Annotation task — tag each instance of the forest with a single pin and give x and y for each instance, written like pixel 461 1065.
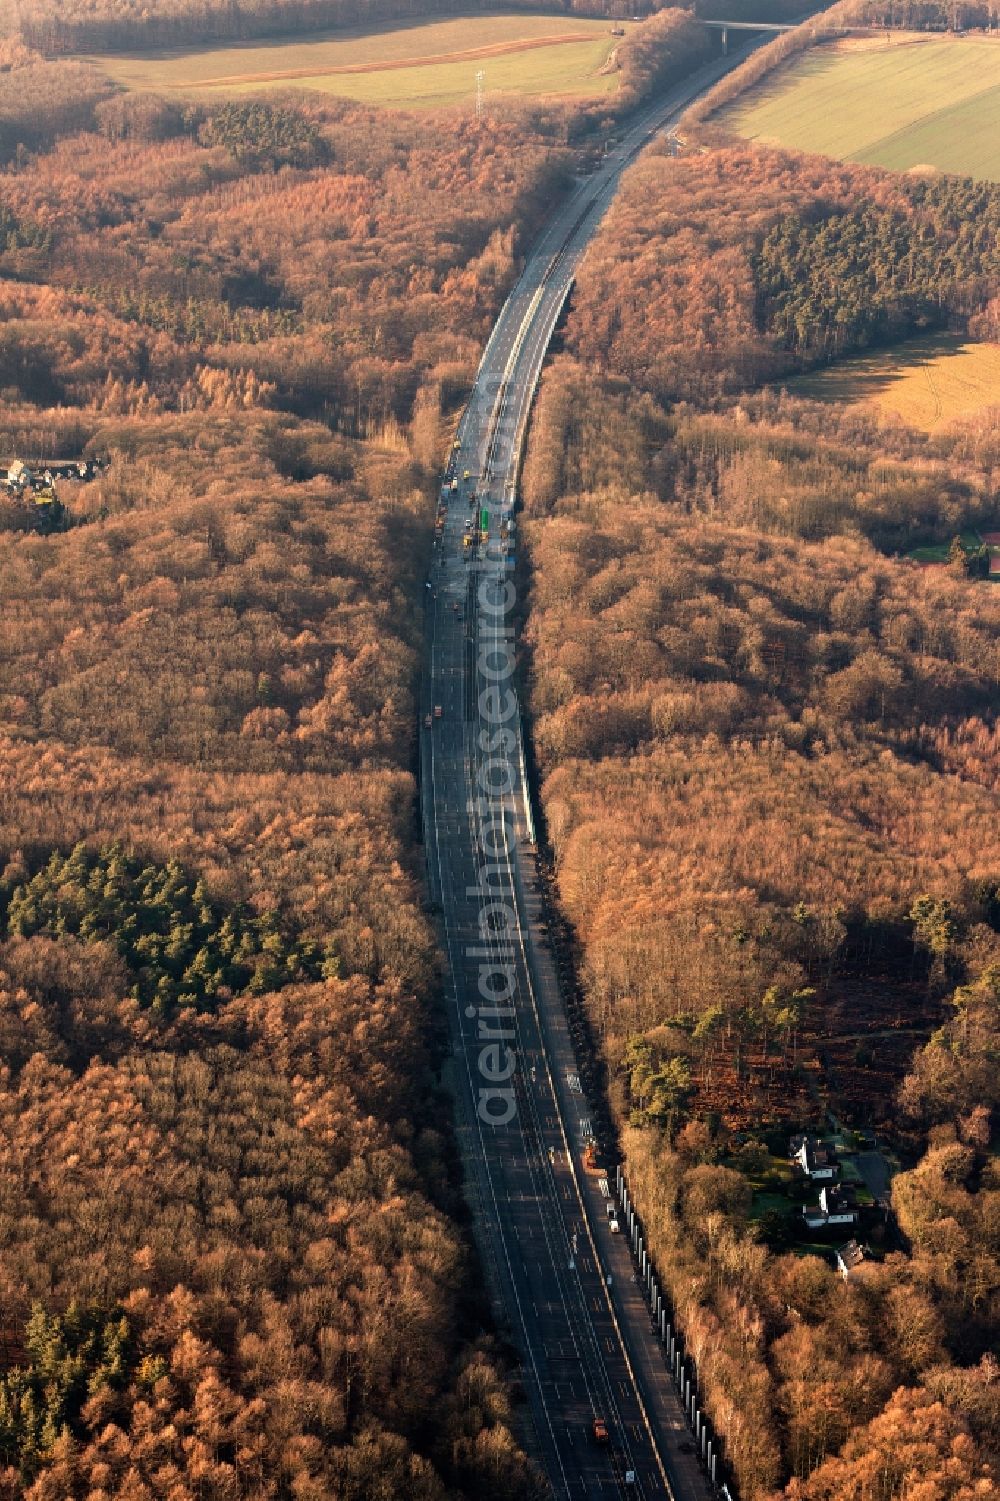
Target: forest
pixel 767 751
pixel 321 258
pixel 768 768
pixel 235 1259
pixel 755 264
pixel 921 15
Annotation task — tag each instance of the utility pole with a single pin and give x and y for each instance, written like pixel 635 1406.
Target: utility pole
pixel 480 79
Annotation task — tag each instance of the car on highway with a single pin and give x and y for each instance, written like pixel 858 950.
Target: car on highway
pixel 496 448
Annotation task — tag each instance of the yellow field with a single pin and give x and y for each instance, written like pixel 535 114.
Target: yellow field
pixel 421 64
pixel 925 382
pixel 906 103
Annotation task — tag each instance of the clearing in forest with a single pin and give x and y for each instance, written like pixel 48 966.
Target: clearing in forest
pixel 926 382
pixel 907 102
pixel 419 64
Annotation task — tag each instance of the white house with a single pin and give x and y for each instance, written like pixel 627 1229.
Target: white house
pixel 19 476
pixel 836 1207
pixel 817 1161
pixel 849 1258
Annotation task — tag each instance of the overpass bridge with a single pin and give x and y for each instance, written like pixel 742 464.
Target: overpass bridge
pixel 724 27
pixel 753 25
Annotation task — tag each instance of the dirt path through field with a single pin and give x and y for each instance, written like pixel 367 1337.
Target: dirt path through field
pixel 433 59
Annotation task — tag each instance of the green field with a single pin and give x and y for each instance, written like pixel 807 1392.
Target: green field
pixel 937 552
pixel 926 382
pixel 928 102
pixel 421 64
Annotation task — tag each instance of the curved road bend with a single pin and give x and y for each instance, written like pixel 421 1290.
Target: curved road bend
pixel 562 1280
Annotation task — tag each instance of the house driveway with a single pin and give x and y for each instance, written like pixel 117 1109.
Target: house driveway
pixel 875 1171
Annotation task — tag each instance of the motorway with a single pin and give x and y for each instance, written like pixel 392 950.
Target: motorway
pixel 560 1277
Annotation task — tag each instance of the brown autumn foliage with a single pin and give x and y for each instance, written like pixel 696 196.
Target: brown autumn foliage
pixel 681 664
pixel 717 861
pixel 768 753
pixel 161 254
pixel 249 621
pixel 294 1313
pixel 233 1260
pixel 715 272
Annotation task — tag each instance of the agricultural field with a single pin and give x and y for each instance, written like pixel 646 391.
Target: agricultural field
pixel 422 64
pixel 906 103
pixel 926 382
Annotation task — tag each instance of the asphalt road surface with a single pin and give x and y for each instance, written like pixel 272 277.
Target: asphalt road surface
pixel 560 1277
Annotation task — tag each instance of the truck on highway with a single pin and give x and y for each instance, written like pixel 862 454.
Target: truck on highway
pixel 484 525
pixel 599 1429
